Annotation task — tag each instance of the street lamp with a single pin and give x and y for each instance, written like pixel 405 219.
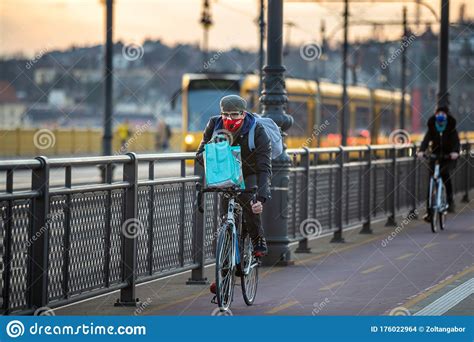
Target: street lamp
pixel 274 99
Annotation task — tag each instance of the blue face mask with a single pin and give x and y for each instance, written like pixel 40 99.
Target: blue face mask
pixel 440 127
pixel 441 122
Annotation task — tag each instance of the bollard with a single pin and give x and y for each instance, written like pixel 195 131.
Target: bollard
pixel 304 197
pixel 366 229
pixel 129 234
pixel 38 250
pixel 199 257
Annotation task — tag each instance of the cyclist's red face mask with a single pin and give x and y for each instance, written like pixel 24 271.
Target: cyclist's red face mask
pixel 231 123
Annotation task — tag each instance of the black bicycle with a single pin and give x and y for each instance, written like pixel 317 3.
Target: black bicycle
pixel 234 250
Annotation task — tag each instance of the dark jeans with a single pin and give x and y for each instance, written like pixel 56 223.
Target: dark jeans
pixel 445 172
pixel 252 222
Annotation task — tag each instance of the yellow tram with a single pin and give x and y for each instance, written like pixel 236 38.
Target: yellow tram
pixel 372 114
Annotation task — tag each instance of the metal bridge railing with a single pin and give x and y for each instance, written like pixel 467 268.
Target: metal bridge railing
pixel 62 244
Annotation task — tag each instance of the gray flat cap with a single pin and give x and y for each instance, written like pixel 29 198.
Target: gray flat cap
pixel 233 103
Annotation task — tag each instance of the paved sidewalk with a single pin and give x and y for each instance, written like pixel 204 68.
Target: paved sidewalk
pixel 367 275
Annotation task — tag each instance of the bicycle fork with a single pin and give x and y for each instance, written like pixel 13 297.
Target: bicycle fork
pixel 231 223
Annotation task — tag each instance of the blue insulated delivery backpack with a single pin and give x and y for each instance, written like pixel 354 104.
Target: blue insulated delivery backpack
pixel 223 165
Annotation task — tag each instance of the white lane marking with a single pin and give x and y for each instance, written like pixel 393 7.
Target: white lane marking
pixel 448 300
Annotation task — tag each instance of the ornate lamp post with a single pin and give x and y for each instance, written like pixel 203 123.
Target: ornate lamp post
pixel 274 100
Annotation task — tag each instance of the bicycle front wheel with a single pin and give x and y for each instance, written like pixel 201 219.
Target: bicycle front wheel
pixel 224 271
pixel 443 209
pixel 434 209
pixel 249 271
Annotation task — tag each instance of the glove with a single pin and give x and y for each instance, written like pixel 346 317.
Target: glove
pixel 454 155
pixel 420 154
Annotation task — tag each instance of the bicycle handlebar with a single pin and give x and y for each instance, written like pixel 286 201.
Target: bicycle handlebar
pixel 433 156
pixel 231 190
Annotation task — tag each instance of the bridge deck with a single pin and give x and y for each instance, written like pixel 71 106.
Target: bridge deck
pixel 363 276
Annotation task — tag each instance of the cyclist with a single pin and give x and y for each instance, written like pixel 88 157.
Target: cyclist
pixel 444 140
pixel 256 164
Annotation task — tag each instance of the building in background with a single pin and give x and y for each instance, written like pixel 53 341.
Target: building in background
pixel 11 108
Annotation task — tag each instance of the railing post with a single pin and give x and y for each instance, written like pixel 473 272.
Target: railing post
pixel 199 252
pixel 39 238
pixel 366 229
pixel 467 174
pixel 7 246
pixel 414 188
pixel 393 188
pixel 304 196
pixel 339 212
pixel 131 229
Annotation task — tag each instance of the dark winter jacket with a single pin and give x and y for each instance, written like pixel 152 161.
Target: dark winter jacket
pixel 256 162
pixel 441 144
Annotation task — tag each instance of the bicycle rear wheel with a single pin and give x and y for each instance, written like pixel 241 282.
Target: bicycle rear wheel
pixel 249 271
pixel 441 220
pixel 224 271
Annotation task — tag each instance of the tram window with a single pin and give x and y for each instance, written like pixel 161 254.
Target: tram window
pixel 362 118
pixel 203 100
pixel 387 120
pixel 330 113
pixel 299 111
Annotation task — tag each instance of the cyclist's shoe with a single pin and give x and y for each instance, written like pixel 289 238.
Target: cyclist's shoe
pixel 427 217
pixel 212 288
pixel 259 246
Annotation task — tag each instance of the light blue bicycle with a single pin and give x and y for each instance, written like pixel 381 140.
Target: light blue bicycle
pixel 234 251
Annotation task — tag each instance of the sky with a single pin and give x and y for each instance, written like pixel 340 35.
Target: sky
pixel 29 27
